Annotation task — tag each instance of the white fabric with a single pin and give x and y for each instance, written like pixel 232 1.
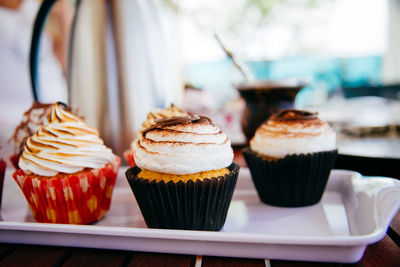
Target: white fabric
pixel 15 87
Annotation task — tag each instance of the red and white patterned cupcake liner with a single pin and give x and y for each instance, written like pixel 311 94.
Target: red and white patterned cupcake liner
pixel 130 158
pixel 79 198
pixel 2 172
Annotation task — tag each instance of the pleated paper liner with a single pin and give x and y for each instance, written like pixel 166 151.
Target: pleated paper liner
pixel 128 155
pixel 79 198
pixel 294 181
pixel 2 172
pixel 200 205
pixel 14 160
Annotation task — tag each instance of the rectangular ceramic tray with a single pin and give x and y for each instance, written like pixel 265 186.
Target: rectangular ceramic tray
pixel 354 212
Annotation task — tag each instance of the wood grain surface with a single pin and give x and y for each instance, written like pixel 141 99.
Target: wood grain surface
pixel 28 255
pixel 234 262
pixel 93 257
pixel 141 259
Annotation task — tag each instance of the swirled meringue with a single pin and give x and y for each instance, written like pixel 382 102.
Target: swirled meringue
pixel 157 114
pixel 32 120
pixel 183 145
pixel 293 132
pixel 65 145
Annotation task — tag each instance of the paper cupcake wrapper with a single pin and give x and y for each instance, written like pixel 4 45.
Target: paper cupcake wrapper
pixel 128 155
pixel 200 205
pixel 294 181
pixel 14 160
pixel 79 198
pixel 2 172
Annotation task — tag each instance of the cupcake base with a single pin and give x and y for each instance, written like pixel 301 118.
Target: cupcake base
pixel 79 198
pixel 294 181
pixel 200 205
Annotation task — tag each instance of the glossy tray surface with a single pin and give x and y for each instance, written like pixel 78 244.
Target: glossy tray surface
pixel 354 212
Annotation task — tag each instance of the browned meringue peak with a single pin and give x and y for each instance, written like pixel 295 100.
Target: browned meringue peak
pixel 154 115
pixel 294 114
pixel 32 120
pixel 58 114
pixel 66 144
pixel 170 121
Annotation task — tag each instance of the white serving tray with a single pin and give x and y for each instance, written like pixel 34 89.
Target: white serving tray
pixel 353 213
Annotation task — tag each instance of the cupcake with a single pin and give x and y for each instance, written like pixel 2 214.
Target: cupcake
pixel 152 116
pixel 184 178
pixel 65 172
pixel 290 158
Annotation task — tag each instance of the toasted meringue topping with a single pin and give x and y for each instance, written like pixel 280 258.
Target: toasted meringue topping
pixel 294 114
pixel 157 114
pixel 66 144
pixel 160 123
pixel 183 145
pixel 293 132
pixel 33 119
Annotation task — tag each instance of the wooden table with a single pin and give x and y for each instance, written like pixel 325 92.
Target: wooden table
pixel 384 253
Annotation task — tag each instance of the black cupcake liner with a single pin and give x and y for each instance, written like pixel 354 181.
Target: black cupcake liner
pixel 200 205
pixel 293 181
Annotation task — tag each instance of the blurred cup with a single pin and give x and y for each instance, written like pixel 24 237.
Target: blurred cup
pixel 263 98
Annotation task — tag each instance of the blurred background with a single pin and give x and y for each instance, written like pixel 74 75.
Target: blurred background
pixel 128 57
